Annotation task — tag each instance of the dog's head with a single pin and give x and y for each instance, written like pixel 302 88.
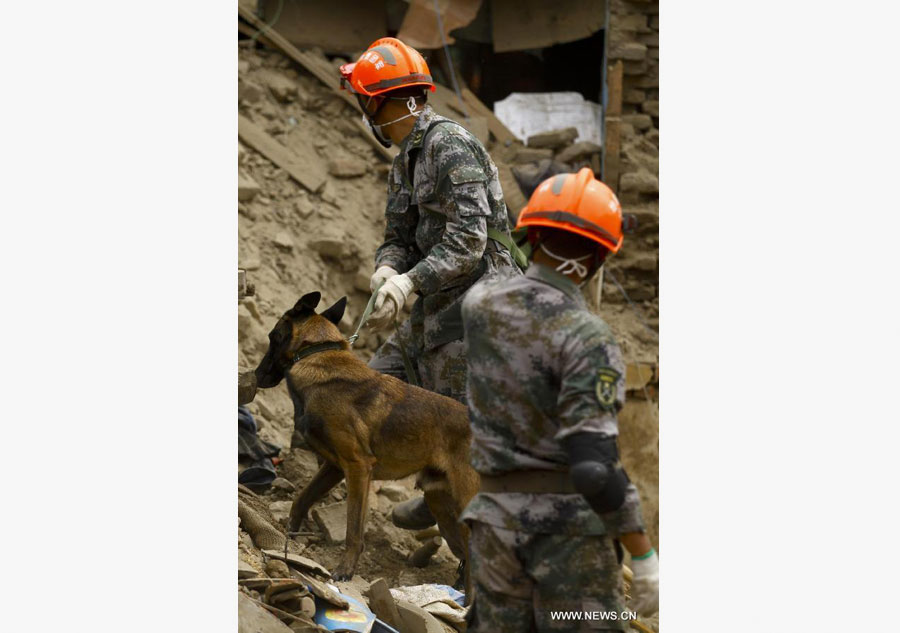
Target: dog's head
pixel 299 327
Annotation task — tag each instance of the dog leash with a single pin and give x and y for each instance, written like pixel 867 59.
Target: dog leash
pixel 407 363
pixel 365 315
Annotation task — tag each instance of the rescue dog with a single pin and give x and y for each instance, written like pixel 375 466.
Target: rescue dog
pixel 367 426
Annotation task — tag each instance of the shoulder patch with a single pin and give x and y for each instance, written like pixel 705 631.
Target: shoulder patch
pixel 607 386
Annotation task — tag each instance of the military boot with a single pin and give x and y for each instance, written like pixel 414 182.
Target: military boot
pixel 412 515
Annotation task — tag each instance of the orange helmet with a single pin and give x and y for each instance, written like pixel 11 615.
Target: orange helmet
pixel 577 203
pixel 388 64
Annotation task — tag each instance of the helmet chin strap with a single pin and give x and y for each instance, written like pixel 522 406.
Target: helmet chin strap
pixel 377 129
pixel 569 265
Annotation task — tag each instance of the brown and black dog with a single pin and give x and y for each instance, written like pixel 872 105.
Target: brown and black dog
pixel 367 426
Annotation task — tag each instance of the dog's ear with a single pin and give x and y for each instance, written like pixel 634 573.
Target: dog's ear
pixel 336 312
pixel 306 304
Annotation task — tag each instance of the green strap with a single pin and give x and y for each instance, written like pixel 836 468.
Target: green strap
pixel 365 315
pixel 513 248
pixel 407 363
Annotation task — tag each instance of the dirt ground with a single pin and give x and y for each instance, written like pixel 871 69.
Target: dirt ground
pixel 293 241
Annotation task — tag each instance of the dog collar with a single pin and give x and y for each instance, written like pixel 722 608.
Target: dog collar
pixel 315 349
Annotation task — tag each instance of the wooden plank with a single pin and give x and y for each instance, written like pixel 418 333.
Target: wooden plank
pixel 612 142
pixel 321 71
pixel 308 173
pixel 615 77
pixel 495 125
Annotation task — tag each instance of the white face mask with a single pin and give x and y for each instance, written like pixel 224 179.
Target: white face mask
pixel 376 129
pixel 569 265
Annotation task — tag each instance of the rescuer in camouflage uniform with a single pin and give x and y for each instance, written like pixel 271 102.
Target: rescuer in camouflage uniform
pixel 545 382
pixel 445 214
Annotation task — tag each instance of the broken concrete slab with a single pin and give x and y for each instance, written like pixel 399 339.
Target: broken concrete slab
pixel 332 519
pixel 252 618
pixel 553 139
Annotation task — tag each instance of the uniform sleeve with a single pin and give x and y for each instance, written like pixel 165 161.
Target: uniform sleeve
pixel 461 187
pixel 395 250
pixel 592 383
pixel 591 395
pixel 628 517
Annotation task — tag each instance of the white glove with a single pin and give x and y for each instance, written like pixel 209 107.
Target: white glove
pixel 383 273
pixel 390 300
pixel 645 585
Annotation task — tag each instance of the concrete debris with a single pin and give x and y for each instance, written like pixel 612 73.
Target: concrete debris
pixel 382 603
pixel 640 122
pixel 253 618
pixel 328 246
pixel 651 107
pixel 332 519
pixel 640 182
pixel 554 139
pixel 347 167
pixel 283 240
pixel 283 89
pixel 277 569
pixel 245 570
pixel 394 492
pixel 284 485
pixel 416 619
pixel 577 151
pixel 532 154
pixel 247 187
pixel 297 561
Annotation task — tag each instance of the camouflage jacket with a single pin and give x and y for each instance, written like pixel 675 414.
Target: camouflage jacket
pixel 437 230
pixel 540 367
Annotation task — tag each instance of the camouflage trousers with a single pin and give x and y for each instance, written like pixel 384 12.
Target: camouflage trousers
pixel 442 369
pixel 521 579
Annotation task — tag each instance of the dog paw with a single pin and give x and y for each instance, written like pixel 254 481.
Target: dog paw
pixel 342 572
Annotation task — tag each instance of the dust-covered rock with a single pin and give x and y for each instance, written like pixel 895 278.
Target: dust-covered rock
pixel 347 167
pixel 332 520
pixel 327 246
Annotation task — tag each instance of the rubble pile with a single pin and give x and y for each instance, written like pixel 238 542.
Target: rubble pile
pixel 311 214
